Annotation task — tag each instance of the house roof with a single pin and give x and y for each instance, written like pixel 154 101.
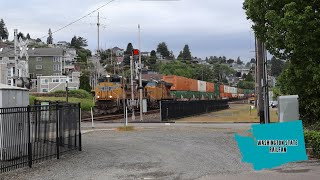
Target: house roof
pixel 34 52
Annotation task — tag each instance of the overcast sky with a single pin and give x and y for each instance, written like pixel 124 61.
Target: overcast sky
pixel 209 27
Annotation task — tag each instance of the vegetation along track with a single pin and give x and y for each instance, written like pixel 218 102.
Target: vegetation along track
pixel 116 116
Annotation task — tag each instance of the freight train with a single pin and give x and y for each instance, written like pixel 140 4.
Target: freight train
pixel 114 92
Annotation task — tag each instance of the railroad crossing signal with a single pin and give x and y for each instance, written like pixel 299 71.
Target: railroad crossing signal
pixel 135 52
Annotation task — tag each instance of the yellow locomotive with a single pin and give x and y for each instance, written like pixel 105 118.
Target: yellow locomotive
pixel 114 92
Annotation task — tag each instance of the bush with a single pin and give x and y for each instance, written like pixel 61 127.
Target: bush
pixel 312 140
pixel 80 94
pixel 32 99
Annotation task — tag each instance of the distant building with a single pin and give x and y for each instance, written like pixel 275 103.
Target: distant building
pixel 42 62
pixel 118 51
pixel 55 83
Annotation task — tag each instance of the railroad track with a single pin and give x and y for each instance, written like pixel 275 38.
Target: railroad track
pixel 116 116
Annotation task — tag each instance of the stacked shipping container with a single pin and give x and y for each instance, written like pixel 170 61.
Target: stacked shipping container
pixel 185 88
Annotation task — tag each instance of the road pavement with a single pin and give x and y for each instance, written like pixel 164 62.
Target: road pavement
pixel 160 151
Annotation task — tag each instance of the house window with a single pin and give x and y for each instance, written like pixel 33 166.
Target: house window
pixel 56 67
pixel 9 73
pixel 56 59
pixel 9 82
pixel 44 90
pixel 63 80
pixel 38 66
pixel 39 59
pixel 44 81
pixel 55 80
pixel 56 74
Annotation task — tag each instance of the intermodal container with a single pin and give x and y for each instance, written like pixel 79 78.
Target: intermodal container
pixel 226 89
pixel 202 86
pixel 193 84
pixel 179 83
pixel 221 88
pixel 210 87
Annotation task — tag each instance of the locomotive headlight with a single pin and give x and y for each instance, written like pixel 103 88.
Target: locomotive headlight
pixel 98 96
pixel 110 96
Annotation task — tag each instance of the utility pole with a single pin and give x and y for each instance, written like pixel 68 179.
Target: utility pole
pixel 98 25
pixel 260 67
pixel 140 78
pixel 266 88
pixel 15 57
pixel 132 95
pixel 256 84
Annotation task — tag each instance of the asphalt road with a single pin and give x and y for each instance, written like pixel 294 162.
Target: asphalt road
pixel 156 151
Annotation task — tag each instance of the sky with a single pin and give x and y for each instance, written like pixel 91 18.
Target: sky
pixel 209 27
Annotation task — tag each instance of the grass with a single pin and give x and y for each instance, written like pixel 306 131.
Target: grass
pixel 237 113
pixel 86 104
pixel 125 128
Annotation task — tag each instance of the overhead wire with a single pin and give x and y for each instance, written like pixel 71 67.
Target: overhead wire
pixel 102 6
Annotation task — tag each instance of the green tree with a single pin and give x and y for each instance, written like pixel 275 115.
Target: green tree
pixel 239 61
pixel 153 59
pixel 20 34
pixel 85 81
pixel 180 56
pixel 290 31
pixel 186 53
pixel 163 50
pixel 78 42
pixel 28 36
pixel 276 66
pixel 4 34
pixel 50 38
pixel 127 54
pixel 230 61
pixel 249 78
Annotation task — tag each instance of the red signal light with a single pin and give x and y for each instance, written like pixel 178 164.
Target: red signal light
pixel 135 52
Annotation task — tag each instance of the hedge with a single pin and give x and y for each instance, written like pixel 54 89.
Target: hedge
pixel 60 93
pixel 312 140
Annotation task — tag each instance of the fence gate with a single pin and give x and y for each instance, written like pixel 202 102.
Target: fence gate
pixel 35 133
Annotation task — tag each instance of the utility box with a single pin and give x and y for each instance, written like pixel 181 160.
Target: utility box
pixel 288 108
pixel 13 122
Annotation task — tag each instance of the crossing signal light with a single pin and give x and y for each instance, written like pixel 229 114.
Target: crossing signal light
pixel 135 52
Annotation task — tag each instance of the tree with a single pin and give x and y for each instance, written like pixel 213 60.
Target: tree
pixel 186 54
pixel 127 54
pixel 163 50
pixel 239 61
pixel 49 39
pixel 180 56
pixel 207 59
pixel 230 61
pixel 4 34
pixel 290 31
pixel 153 59
pixel 276 66
pixel 85 82
pixel 20 35
pixel 253 60
pixel 28 36
pixel 249 78
pixel 38 40
pixel 78 42
pixel 244 76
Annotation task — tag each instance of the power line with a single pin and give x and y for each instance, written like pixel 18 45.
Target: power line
pixel 71 22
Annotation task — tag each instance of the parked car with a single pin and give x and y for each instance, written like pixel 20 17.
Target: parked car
pixel 274 104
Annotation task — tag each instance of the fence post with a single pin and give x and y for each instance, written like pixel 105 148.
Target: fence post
pixel 80 144
pixel 57 131
pixel 29 139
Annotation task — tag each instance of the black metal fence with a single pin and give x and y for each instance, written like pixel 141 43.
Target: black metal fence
pixel 32 134
pixel 180 109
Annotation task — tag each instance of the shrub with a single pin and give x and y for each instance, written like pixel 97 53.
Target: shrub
pixel 32 99
pixel 312 140
pixel 80 94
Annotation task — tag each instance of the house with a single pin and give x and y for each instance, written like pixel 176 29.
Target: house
pixel 118 51
pixel 62 43
pixel 41 62
pixel 145 54
pixel 55 83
